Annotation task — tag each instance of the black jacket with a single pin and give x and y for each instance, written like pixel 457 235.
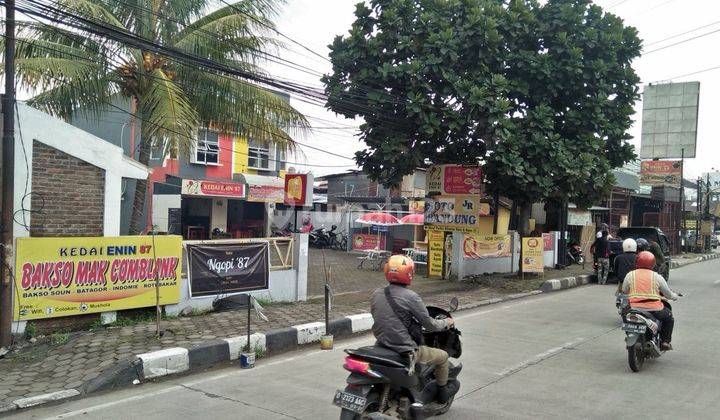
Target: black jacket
pixel 601 247
pixel 623 264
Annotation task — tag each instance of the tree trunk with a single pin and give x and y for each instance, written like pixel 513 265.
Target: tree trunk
pixel 524 218
pixel 140 188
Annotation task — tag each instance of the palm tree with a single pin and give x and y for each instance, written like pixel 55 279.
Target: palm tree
pixel 71 71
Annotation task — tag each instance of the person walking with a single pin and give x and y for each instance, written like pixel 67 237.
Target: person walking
pixel 602 255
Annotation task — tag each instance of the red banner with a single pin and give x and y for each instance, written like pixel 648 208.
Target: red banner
pixel 266 194
pixel 462 179
pixel 548 242
pixel 658 173
pixel 296 186
pixel 365 241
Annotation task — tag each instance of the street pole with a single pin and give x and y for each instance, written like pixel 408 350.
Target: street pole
pixel 698 209
pixel 681 226
pixel 8 169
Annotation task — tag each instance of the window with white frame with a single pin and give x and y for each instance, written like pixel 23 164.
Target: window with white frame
pixel 259 156
pixel 207 149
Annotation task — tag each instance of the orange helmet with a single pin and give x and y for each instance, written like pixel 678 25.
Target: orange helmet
pixel 645 259
pixel 399 269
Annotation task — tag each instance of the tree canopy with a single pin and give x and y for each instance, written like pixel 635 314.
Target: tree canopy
pixel 540 94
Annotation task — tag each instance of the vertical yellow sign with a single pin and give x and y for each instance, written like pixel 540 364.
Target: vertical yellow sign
pixel 532 255
pixel 436 245
pixel 240 155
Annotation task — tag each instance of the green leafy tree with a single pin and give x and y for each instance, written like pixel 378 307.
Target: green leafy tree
pixel 540 94
pixel 72 71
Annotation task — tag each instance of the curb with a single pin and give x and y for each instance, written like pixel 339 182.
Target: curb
pixel 566 283
pixel 706 257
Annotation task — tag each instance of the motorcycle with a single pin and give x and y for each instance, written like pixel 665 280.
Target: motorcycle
pixel 642 336
pixel 320 238
pixel 382 384
pixel 574 254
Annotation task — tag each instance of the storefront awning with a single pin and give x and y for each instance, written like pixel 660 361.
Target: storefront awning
pixel 263 188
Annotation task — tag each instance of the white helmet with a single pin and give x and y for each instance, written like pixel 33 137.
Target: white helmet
pixel 629 245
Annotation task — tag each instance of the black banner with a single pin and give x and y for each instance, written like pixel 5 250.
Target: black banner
pixel 220 269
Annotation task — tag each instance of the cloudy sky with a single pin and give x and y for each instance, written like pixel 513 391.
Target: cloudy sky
pixel 315 23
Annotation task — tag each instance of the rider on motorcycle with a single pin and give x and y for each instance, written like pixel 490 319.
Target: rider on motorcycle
pixel 646 290
pixel 390 330
pixel 625 262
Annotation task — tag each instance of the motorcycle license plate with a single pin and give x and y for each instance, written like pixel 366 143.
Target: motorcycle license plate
pixel 354 403
pixel 634 328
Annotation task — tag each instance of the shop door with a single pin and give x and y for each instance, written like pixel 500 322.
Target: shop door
pixel 196 218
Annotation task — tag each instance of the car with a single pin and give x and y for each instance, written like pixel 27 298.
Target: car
pixel 648 233
pixel 714 241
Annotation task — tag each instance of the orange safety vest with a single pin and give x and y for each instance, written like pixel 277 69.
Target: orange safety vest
pixel 644 290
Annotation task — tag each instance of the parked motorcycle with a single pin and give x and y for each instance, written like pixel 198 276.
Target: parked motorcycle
pixel 382 384
pixel 320 238
pixel 642 336
pixel 574 254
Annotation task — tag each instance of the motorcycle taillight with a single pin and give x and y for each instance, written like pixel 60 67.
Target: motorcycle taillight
pixel 356 365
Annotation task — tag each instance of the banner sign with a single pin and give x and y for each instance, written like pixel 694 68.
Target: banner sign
pixel 532 255
pixel 299 189
pixel 455 213
pixel 416 206
pixel 266 194
pixel 477 247
pixel 436 251
pixel 453 179
pixel 81 275
pixel 213 188
pixel 690 224
pixel 659 173
pixel 547 241
pixel 706 227
pixel 579 217
pixel 366 241
pixel 228 268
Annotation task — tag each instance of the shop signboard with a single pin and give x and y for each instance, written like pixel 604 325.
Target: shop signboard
pixel 706 227
pixel 532 255
pixel 436 251
pixel 455 213
pixel 476 247
pixel 661 173
pixel 579 218
pixel 690 224
pixel 299 189
pixel 207 188
pixel 266 194
pixel 81 275
pixel 366 241
pixel 416 206
pixel 217 269
pixel 453 180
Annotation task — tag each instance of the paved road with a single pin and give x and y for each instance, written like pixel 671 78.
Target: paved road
pixel 557 356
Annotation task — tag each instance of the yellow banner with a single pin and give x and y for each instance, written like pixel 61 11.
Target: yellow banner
pixel 436 245
pixel 70 276
pixel 532 255
pixel 487 246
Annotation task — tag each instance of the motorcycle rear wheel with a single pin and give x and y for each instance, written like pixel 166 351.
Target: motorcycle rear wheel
pixel 636 357
pixel 372 407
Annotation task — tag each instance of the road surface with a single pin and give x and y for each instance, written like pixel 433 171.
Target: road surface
pixel 554 356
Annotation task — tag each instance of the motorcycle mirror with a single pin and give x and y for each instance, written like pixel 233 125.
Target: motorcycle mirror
pixel 454 303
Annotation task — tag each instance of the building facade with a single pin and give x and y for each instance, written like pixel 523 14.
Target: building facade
pixel 238 180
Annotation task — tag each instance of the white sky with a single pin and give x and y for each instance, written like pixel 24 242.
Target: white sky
pixel 315 23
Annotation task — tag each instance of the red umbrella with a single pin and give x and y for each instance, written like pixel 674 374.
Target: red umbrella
pixel 378 219
pixel 413 219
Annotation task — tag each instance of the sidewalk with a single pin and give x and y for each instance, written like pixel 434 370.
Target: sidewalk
pixel 67 361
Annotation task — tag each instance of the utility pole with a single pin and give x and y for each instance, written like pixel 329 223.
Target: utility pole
pixel 8 169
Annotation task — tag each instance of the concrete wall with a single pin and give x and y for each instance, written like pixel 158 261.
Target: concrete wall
pixel 284 285
pixel 463 268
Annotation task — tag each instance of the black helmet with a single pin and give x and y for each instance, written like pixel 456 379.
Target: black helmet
pixel 642 245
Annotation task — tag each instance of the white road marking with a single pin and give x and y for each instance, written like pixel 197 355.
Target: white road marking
pixel 716 282
pixel 539 357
